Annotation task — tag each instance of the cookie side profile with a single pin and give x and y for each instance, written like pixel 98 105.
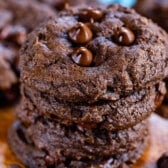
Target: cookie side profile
pixel 157 10
pixel 111 115
pixel 71 147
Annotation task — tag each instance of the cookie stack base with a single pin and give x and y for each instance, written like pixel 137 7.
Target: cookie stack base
pixel 34 153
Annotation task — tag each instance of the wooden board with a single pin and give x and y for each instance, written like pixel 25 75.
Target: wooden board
pixel 158 141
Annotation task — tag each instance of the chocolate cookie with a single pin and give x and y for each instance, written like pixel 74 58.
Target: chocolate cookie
pixel 72 147
pixel 157 10
pixel 29 13
pixel 88 55
pixel 14 27
pixel 12 36
pixel 111 115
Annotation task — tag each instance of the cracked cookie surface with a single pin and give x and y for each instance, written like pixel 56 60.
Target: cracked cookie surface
pixel 119 67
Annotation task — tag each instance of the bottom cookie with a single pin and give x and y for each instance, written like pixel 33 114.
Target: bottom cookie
pixel 45 145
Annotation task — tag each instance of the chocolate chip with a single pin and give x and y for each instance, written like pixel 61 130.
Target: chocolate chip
pixel 62 5
pixel 82 56
pixel 80 33
pixel 124 36
pixel 90 14
pixel 163 161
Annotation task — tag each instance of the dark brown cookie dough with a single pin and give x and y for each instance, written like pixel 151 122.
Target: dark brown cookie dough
pixel 157 10
pixel 62 146
pixel 123 52
pixel 111 115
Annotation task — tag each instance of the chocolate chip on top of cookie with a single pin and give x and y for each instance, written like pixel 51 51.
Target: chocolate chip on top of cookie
pixel 82 56
pixel 80 34
pixel 124 36
pixel 90 14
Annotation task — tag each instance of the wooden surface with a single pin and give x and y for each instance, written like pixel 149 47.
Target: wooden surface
pixel 158 141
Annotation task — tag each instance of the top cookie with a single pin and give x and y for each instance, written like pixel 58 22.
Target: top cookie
pixel 86 55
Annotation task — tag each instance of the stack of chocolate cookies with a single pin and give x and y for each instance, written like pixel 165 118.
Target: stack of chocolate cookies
pixel 90 79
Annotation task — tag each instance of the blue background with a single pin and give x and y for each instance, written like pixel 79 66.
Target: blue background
pixel 127 3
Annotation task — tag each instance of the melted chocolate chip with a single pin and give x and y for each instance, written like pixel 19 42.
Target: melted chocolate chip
pixel 89 14
pixel 163 161
pixel 80 33
pixel 82 56
pixel 124 36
